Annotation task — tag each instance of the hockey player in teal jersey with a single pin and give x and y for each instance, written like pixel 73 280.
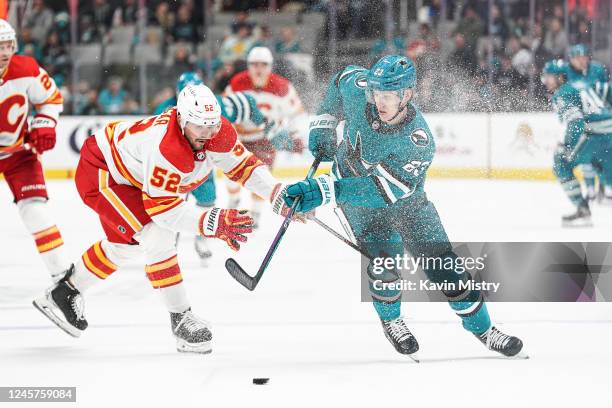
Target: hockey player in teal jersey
pixel 377 183
pixel 587 117
pixel 583 70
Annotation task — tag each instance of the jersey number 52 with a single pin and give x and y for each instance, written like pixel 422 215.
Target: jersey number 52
pixel 161 178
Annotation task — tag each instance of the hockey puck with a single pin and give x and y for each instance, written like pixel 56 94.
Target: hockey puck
pixel 260 381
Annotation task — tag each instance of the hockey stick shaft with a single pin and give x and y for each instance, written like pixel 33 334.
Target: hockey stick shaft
pixel 238 273
pixel 340 237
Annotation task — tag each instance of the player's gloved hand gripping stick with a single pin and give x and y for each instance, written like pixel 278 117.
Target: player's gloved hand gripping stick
pixel 238 273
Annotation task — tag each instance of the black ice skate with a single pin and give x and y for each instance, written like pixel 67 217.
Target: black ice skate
pixel 202 248
pixel 400 337
pixel 496 340
pixel 581 218
pixel 63 305
pixel 192 333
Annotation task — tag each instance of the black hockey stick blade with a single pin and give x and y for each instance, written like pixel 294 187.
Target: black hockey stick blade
pixel 238 273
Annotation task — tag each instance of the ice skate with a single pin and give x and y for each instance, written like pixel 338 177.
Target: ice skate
pixel 400 337
pixel 496 340
pixel 192 334
pixel 63 305
pixel 580 218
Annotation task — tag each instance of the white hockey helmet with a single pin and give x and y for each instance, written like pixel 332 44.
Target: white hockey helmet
pixel 260 54
pixel 198 105
pixel 7 33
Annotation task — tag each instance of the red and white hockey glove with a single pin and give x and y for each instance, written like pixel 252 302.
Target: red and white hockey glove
pixel 227 225
pixel 280 208
pixel 42 133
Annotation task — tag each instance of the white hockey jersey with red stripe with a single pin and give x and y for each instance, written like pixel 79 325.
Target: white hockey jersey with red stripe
pixel 153 155
pixel 277 100
pixel 24 82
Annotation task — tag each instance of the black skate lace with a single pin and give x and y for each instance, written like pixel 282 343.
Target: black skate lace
pixel 496 339
pixel 398 329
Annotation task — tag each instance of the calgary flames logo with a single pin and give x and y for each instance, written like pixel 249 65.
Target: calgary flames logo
pixel 12 113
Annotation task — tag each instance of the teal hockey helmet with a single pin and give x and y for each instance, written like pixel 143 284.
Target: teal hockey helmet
pixel 392 73
pixel 579 50
pixel 188 78
pixel 555 67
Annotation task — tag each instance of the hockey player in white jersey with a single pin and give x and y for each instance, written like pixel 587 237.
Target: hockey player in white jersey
pixel 135 176
pixel 24 84
pixel 280 104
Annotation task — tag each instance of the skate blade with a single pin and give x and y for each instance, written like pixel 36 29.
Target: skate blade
pixel 582 224
pixel 519 356
pixel 414 357
pixel 200 348
pixel 46 308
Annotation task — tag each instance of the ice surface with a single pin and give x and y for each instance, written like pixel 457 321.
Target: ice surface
pixel 304 326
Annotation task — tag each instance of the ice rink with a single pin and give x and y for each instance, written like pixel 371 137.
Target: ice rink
pixel 304 327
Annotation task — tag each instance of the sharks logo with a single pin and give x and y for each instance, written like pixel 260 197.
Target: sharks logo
pixel 354 156
pixel 420 138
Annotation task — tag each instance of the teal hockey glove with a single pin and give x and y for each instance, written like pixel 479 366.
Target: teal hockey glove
pixel 312 193
pixel 322 137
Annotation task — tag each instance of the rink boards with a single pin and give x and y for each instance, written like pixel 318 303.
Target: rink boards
pixel 473 145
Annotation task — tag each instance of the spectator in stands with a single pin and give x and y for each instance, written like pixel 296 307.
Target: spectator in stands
pixel 359 13
pixel 85 100
pixel 39 19
pixel 27 46
pixel 582 35
pixel 540 53
pixel 462 59
pixel 470 27
pixel 555 40
pixel 114 99
pixel 181 62
pixel 87 31
pixel 509 81
pixel 62 27
pixel 184 30
pixel 127 13
pixel 241 20
pixel 265 38
pixel 287 43
pixel 163 17
pixel 102 13
pixel 499 27
pixel 236 46
pixel 55 58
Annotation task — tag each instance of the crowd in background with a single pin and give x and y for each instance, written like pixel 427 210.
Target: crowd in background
pixel 482 66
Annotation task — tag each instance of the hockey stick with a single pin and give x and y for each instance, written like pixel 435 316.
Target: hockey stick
pixel 238 273
pixel 340 237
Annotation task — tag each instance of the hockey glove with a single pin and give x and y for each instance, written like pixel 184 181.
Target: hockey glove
pixel 322 137
pixel 227 225
pixel 312 192
pixel 42 134
pixel 280 207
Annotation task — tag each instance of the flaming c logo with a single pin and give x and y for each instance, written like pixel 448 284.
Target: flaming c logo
pixel 19 101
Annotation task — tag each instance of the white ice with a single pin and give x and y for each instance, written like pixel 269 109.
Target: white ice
pixel 304 327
